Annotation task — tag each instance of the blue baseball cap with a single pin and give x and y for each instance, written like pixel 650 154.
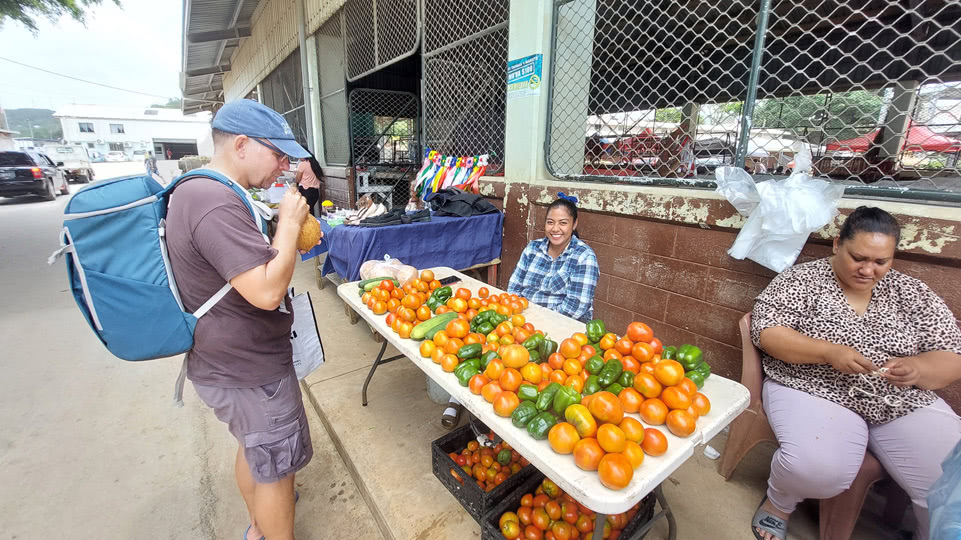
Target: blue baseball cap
pixel 250 118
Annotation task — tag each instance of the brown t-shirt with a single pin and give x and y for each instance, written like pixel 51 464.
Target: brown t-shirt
pixel 212 238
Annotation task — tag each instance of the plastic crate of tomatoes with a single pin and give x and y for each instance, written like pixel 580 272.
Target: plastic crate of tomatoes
pixel 539 506
pixel 477 496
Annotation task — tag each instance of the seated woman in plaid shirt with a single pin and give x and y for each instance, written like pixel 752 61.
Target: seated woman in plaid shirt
pixel 558 272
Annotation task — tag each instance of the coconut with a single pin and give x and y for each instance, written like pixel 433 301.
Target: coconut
pixel 309 234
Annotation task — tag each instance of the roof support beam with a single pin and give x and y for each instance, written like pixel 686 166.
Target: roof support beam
pixel 222 68
pixel 218 35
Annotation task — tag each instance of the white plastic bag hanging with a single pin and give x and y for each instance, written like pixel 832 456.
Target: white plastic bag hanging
pixel 781 213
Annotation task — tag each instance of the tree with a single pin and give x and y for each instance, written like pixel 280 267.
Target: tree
pixel 843 115
pixel 669 114
pixel 26 11
pixel 172 103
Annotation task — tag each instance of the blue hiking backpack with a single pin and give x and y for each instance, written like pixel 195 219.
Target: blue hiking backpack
pixel 117 265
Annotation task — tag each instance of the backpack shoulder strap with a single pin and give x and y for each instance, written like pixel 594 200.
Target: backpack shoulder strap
pixel 238 189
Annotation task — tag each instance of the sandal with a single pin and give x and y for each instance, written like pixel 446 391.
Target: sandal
pixel 768 523
pixel 451 416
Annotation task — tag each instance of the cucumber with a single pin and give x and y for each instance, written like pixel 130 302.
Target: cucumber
pixel 370 284
pixel 428 328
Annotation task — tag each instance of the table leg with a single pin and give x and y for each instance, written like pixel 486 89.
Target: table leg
pixel 492 275
pixel 321 281
pixel 664 513
pixel 350 313
pixel 380 360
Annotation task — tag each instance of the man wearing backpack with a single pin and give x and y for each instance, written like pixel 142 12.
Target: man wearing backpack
pixel 241 361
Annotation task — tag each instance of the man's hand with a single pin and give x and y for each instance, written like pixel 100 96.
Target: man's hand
pixel 903 371
pixel 292 209
pixel 848 360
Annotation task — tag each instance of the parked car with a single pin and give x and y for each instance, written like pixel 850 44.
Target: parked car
pixel 139 155
pixel 96 157
pixel 30 173
pixel 76 163
pixel 116 155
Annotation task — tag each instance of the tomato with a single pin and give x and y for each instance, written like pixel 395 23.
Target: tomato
pixel 449 363
pixel 584 524
pixel 572 366
pixel 511 529
pixel 462 293
pixel 396 293
pixel 411 301
pixel 393 304
pixel 533 533
pixel 642 351
pixel 367 296
pixel 653 411
pixel 675 398
pixel 633 430
pixel 638 331
pixel 532 373
pixel 505 402
pixel 407 314
pixel 556 361
pixel 611 438
pixel 520 335
pixel 441 310
pixel 612 353
pixel 608 341
pixel 669 372
pixel 379 308
pixel 624 346
pixel 576 382
pixel 405 329
pixel 562 438
pixel 494 369
pixel 540 499
pixel 527 500
pixel 647 385
pixel 681 423
pixel 558 376
pixel 459 305
pixel 421 286
pixel 630 399
pixel 658 346
pixel 539 517
pixel 655 443
pixel 490 391
pixel 631 364
pixel 570 348
pixel 515 356
pixel 437 355
pixel 453 345
pixel 615 471
pixel 588 454
pixel 606 407
pixel 457 328
pixel 553 509
pixel 477 383
pixel 688 386
pixel 510 379
pixel 648 367
pixel 483 292
pixel 633 453
pixel 550 488
pixel 427 275
pixel 701 404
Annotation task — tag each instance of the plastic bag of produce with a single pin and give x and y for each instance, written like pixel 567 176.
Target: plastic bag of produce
pixel 786 213
pixel 388 266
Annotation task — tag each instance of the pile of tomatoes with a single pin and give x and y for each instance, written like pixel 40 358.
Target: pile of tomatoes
pixel 489 466
pixel 549 513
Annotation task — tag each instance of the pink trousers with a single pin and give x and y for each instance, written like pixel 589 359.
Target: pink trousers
pixel 823 445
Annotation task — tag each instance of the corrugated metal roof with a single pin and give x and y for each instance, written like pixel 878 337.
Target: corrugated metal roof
pixel 205 91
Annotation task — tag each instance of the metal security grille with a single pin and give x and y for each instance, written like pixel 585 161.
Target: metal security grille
pixel 283 91
pixel 644 90
pixel 385 149
pixel 464 79
pixel 379 33
pixel 333 97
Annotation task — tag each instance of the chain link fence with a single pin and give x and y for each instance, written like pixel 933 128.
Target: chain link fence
pixel 333 97
pixel 379 33
pixel 647 91
pixel 384 128
pixel 283 91
pixel 464 77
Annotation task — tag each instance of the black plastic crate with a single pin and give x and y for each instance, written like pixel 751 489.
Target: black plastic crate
pixel 476 501
pixel 490 529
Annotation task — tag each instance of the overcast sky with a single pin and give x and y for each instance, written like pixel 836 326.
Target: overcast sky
pixel 136 46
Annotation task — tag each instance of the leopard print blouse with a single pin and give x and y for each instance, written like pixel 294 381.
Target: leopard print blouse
pixel 903 318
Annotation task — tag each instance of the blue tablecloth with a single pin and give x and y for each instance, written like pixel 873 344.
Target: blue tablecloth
pixel 323 246
pixel 443 241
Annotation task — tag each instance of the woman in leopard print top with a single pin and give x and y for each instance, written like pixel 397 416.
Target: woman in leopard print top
pixel 852 353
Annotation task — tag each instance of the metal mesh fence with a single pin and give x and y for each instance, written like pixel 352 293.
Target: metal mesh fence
pixel 384 127
pixel 644 90
pixel 464 77
pixel 333 97
pixel 378 33
pixel 283 91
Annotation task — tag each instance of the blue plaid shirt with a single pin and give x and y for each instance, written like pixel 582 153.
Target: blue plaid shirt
pixel 565 285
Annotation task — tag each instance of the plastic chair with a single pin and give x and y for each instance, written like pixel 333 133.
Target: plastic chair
pixel 837 514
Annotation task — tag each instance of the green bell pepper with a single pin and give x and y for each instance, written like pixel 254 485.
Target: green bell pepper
pixel 487 357
pixel 696 376
pixel 614 388
pixel 669 353
pixel 547 348
pixel 704 369
pixel 469 352
pixel 523 414
pixel 479 319
pixel 591 386
pixel 538 426
pixel 610 372
pixel 594 364
pixel 535 357
pixel 496 319
pixel 504 457
pixel 546 397
pixel 626 379
pixel 565 397
pixel 689 356
pixel 527 392
pixel 485 328
pixel 595 330
pixel 533 343
pixel 465 371
pixel 439 297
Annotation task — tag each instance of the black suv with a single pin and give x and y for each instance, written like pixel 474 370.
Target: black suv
pixel 25 172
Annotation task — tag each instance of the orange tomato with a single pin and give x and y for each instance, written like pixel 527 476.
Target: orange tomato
pixel 470 314
pixel 563 437
pixel 441 338
pixel 675 398
pixel 668 372
pixel 558 376
pixel 434 284
pixel 701 404
pixel 648 367
pixel 647 385
pixel 655 442
pixel 572 366
pixel 612 353
pixel 638 331
pixel 630 364
pixel 449 363
pixel 681 423
pixel 379 308
pixel 532 373
pixel 611 438
pixel 504 310
pixel 530 328
pixel 393 304
pixel 523 302
pixel 688 386
pixel 473 303
pixel 518 321
pixel 397 293
pixel 474 338
pixel 693 412
pixel 391 317
pixel 520 335
pixel 411 301
pixel 608 341
pixel 395 326
pixel 459 328
pixel 423 313
pixel 483 292
pixel 545 370
pixel 606 407
pixel 633 430
pixel 576 382
pixel 459 305
pixel 506 340
pixel 580 417
pixel 630 399
pixel 510 379
pixel 437 355
pixel 588 351
pixel 490 391
pixel 633 453
pixel 653 411
pixel 367 296
pixel 580 338
pixel 477 383
pixel 505 328
pixel 570 348
pixel 556 361
pixel 505 402
pixel 407 314
pixel 642 351
pixel 624 346
pixel 427 275
pixel 463 294
pixel 515 356
pixel 588 454
pixel 658 346
pixel 405 329
pixel 453 345
pixel 441 310
pixel 494 369
pixel 427 348
pixel 421 286
pixel 615 471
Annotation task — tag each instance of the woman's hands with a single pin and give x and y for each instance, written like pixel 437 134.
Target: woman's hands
pixel 903 371
pixel 848 360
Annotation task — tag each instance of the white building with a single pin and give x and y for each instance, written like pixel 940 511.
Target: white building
pixel 135 131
